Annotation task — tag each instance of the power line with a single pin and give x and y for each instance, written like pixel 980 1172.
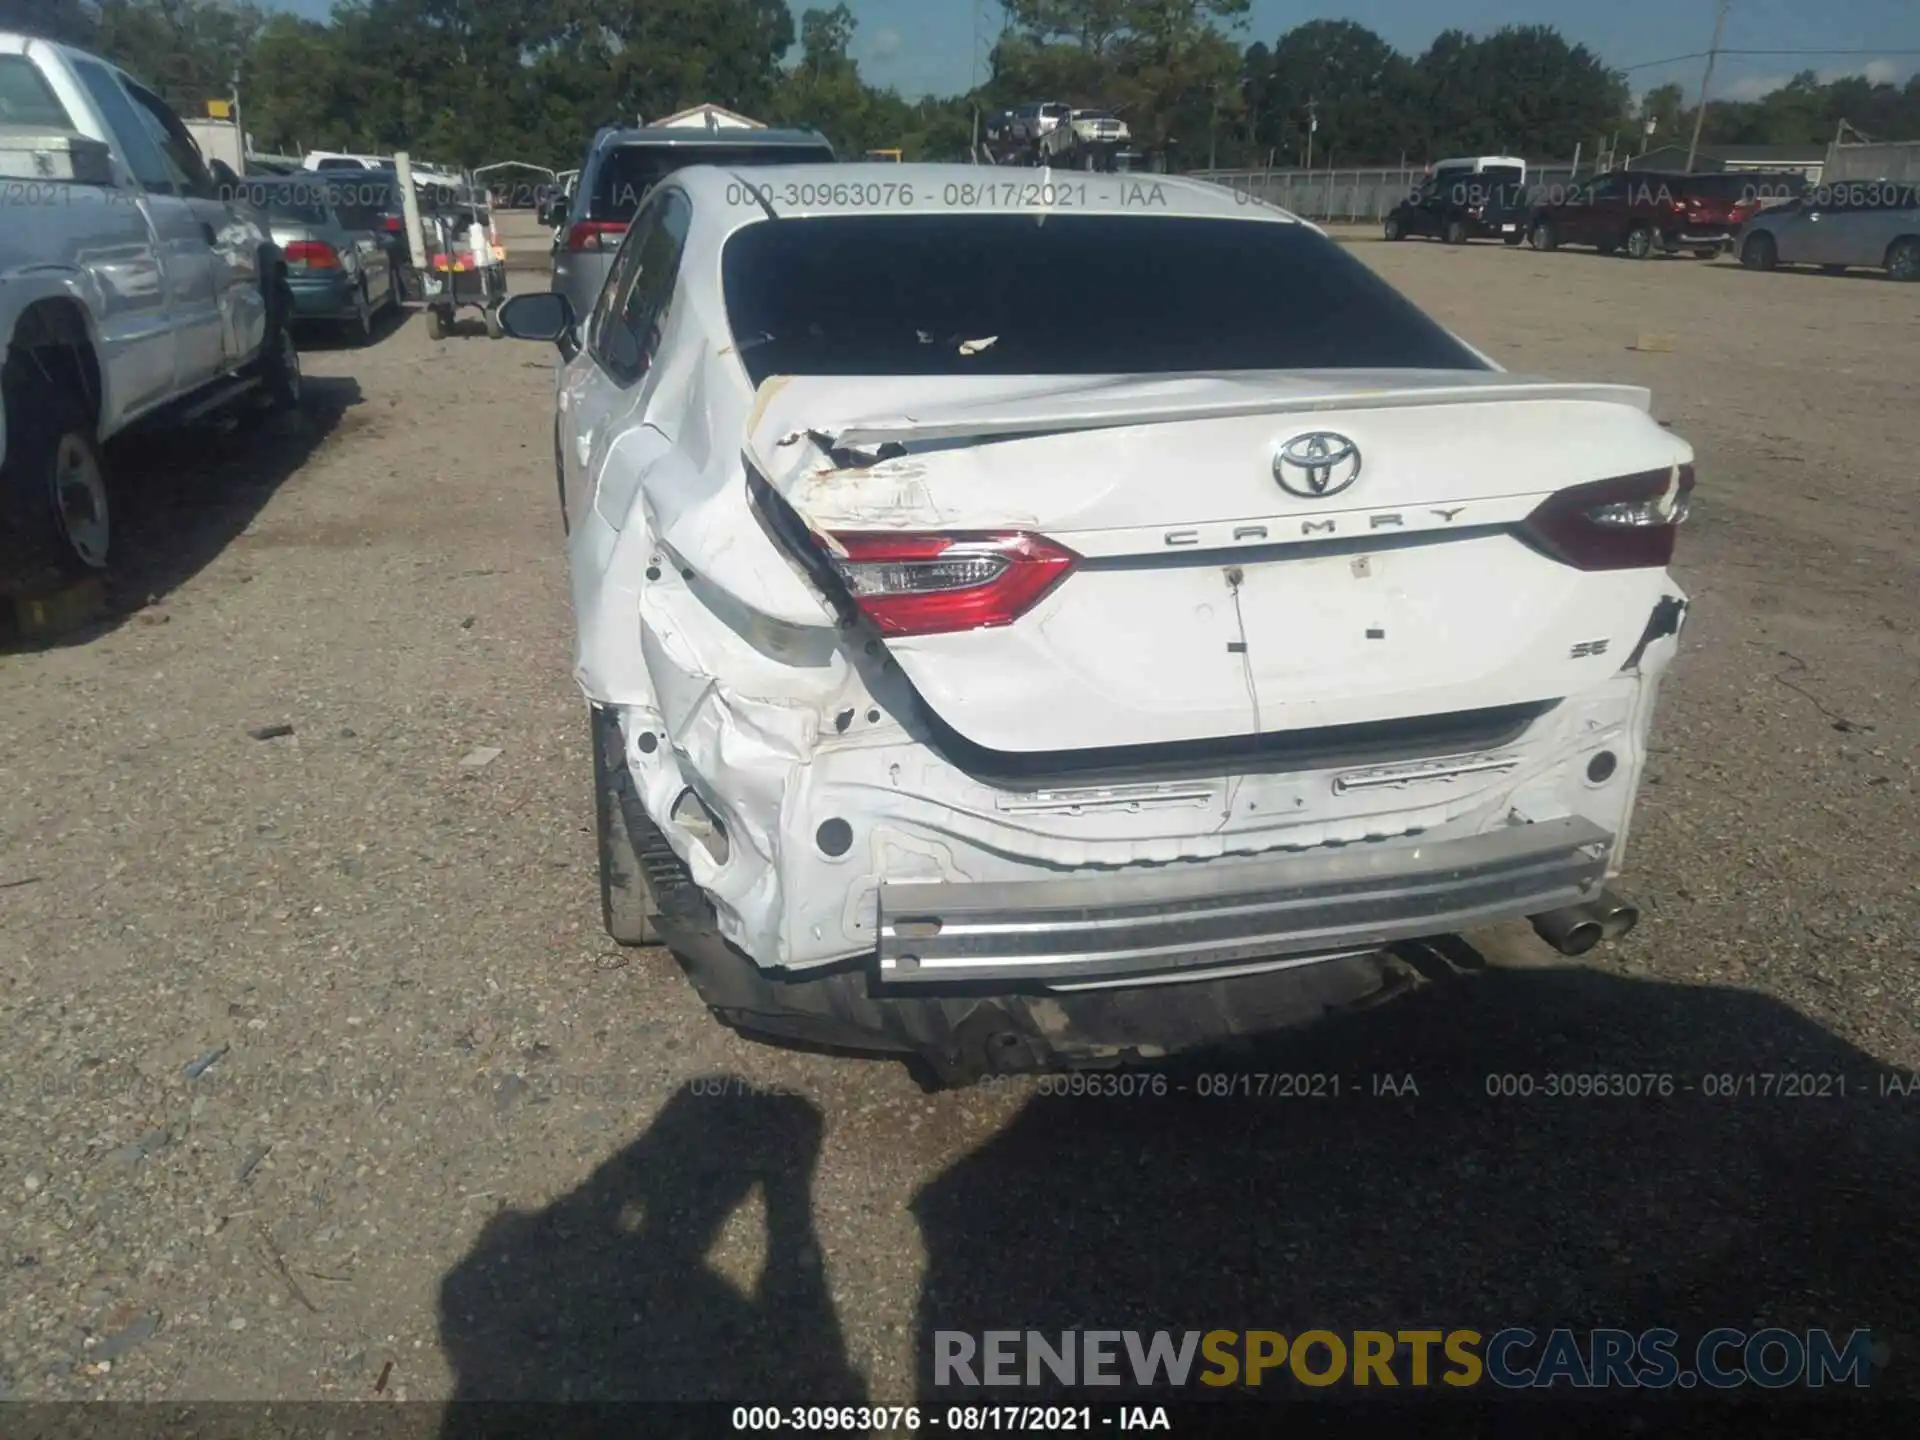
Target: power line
pixel 1702 54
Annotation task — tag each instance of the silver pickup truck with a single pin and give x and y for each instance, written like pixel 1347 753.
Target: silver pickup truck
pixel 135 289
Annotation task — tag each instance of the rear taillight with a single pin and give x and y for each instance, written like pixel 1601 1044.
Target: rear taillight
pixel 1627 523
pixel 592 235
pixel 919 584
pixel 311 255
pixel 392 224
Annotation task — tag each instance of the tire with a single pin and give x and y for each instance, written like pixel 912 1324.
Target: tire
pixel 360 327
pixel 280 361
pixel 1543 236
pixel 1640 242
pixel 626 899
pixel 1903 259
pixel 55 519
pixel 1455 233
pixel 439 322
pixel 1392 231
pixel 494 332
pixel 1759 252
pixel 1513 239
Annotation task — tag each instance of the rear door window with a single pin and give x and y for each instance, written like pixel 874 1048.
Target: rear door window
pixel 627 174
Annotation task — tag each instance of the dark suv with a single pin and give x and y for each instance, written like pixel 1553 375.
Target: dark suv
pixel 1457 209
pixel 1646 212
pixel 623 165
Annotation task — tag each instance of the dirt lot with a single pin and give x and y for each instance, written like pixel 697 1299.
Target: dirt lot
pixel 442 1132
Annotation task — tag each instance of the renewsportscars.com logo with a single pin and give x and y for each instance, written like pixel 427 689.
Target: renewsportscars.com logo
pixel 1510 1359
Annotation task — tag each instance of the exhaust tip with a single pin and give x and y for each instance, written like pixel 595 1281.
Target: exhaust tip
pixel 1616 916
pixel 1573 931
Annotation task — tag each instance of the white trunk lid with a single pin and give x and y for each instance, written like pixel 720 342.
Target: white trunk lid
pixel 1212 601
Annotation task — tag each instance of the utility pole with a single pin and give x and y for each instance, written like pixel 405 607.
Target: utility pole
pixel 1700 114
pixel 1313 124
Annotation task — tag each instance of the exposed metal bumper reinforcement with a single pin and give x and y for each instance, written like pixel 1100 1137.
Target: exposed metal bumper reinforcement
pixel 1191 917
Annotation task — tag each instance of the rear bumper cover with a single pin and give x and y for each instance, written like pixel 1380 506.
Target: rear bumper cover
pixel 1189 917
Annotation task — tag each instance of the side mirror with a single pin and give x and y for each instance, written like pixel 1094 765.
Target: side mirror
pixel 541 315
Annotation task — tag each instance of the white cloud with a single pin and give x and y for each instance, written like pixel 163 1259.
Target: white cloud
pixel 886 44
pixel 1754 87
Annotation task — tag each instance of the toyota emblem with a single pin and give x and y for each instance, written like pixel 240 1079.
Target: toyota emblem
pixel 1316 465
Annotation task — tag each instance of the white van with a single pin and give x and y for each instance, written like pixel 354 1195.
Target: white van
pixel 1496 169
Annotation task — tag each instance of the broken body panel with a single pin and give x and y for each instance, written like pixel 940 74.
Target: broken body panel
pixel 1231 681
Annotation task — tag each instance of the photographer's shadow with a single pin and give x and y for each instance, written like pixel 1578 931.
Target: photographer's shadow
pixel 608 1293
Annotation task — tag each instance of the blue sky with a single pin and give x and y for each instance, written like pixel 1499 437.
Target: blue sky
pixel 924 46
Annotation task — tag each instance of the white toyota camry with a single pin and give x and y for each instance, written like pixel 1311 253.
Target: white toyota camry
pixel 1037 620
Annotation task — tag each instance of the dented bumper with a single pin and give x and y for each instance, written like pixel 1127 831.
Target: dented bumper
pixel 1197 916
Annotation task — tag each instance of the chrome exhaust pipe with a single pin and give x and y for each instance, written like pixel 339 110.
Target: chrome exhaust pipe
pixel 1616 916
pixel 1572 931
pixel 1578 928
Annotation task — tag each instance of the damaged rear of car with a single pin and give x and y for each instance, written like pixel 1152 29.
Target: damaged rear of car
pixel 998 672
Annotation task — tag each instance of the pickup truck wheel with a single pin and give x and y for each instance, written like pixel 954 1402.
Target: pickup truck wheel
pixel 1640 242
pixel 280 366
pixel 1455 233
pixel 439 322
pixel 1391 231
pixel 626 899
pixel 1903 259
pixel 54 514
pixel 1543 237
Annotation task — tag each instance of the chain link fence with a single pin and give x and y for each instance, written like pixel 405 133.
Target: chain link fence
pixel 1355 196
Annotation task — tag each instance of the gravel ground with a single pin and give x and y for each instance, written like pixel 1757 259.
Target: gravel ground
pixel 322 1082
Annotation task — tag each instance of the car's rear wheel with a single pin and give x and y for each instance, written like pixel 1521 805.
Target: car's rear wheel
pixel 1513 239
pixel 55 520
pixel 1640 242
pixel 1903 259
pixel 280 361
pixel 439 322
pixel 1759 252
pixel 1543 236
pixel 626 899
pixel 360 327
pixel 1455 233
pixel 1392 229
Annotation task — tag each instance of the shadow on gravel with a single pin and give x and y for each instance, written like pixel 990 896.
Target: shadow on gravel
pixel 1453 1208
pixel 607 1294
pixel 181 497
pixel 332 335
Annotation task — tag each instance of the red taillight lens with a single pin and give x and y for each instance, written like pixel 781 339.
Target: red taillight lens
pixel 392 224
pixel 1626 523
pixel 590 235
pixel 312 255
pixel 918 584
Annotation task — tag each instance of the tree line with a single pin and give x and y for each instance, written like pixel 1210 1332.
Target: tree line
pixel 477 81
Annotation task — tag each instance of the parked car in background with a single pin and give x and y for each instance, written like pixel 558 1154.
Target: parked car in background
pixel 928 716
pixel 1086 139
pixel 1642 213
pixel 338 267
pixel 620 171
pixel 1864 224
pixel 1033 123
pixel 1457 209
pixel 132 292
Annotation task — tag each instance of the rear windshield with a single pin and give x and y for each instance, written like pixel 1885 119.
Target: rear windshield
pixel 26 98
pixel 628 173
pixel 300 202
pixel 1077 295
pixel 1502 175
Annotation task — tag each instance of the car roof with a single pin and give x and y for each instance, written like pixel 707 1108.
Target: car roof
pixel 693 136
pixel 858 188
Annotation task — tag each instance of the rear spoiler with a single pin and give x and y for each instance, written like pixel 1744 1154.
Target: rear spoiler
pixel 789 408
